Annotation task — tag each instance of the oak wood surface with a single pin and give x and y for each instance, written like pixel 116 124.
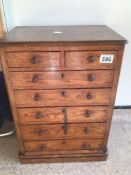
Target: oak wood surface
pixel 72 158
pixel 63 145
pixel 33 59
pixel 90 33
pixel 63 97
pixel 88 60
pixel 67 153
pixel 61 79
pixel 56 115
pixel 63 47
pixel 114 90
pixel 56 131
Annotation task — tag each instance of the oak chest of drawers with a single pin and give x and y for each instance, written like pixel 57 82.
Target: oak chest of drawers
pixel 62 85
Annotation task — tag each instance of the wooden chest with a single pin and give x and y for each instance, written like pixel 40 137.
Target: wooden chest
pixel 62 84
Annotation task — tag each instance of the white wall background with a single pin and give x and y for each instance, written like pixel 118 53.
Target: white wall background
pixel 114 13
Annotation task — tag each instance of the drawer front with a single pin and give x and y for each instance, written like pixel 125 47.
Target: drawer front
pixel 88 60
pixel 73 97
pixel 63 145
pixel 56 115
pixel 57 131
pixel 62 79
pixel 33 59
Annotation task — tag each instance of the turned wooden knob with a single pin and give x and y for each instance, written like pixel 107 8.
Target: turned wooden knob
pixel 39 115
pixel 89 96
pixel 90 59
pixel 90 77
pixel 86 130
pixel 35 78
pixel 36 97
pixel 87 113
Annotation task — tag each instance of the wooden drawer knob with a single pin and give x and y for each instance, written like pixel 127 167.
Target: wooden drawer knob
pixel 40 132
pixel 89 96
pixel 87 113
pixel 90 59
pixel 39 115
pixel 42 147
pixel 36 97
pixel 86 146
pixel 34 59
pixel 35 78
pixel 90 77
pixel 86 130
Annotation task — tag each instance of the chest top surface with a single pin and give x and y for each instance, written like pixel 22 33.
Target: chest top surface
pixel 90 33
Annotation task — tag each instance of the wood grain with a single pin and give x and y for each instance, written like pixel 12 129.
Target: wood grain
pixel 72 97
pixel 56 115
pixel 33 59
pixel 61 96
pixel 56 131
pixel 61 79
pixel 82 60
pixel 90 33
pixel 63 145
pixel 66 158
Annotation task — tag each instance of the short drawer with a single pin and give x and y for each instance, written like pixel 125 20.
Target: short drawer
pixel 56 115
pixel 62 79
pixel 63 145
pixel 72 97
pixel 80 60
pixel 34 60
pixel 57 131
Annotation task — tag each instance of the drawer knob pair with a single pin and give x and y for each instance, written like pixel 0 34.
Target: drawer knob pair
pixel 34 59
pixel 90 59
pixel 39 115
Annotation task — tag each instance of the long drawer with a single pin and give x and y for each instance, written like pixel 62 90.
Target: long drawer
pixel 72 97
pixel 62 79
pixel 57 114
pixel 61 131
pixel 34 60
pixel 80 60
pixel 63 145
